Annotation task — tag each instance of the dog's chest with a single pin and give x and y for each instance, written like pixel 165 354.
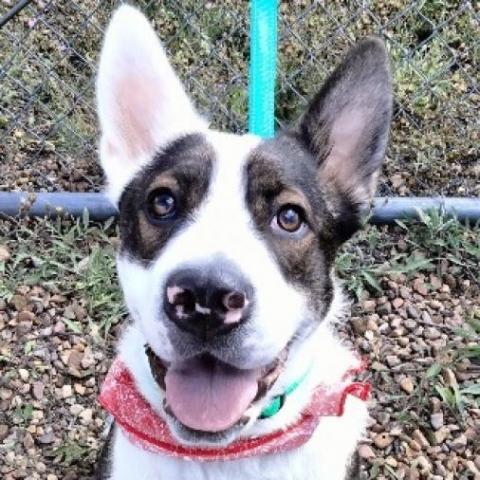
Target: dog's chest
pixel 325 456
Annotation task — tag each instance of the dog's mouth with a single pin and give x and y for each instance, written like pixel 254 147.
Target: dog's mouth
pixel 207 395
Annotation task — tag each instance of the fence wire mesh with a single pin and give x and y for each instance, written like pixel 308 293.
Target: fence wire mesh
pixel 49 51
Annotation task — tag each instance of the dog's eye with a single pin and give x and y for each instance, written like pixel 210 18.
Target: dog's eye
pixel 161 204
pixel 290 218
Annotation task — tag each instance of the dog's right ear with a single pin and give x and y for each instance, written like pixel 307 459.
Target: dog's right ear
pixel 141 103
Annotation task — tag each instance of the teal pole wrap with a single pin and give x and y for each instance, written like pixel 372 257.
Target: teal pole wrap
pixel 263 64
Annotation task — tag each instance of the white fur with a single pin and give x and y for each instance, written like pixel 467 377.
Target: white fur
pixel 134 76
pixel 324 457
pixel 134 126
pixel 222 226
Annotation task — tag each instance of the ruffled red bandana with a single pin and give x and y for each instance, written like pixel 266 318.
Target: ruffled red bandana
pixel 144 427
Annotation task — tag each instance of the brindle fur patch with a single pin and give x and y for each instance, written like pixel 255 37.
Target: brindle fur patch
pixel 184 167
pixel 281 172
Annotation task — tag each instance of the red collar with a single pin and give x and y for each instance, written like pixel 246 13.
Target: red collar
pixel 120 397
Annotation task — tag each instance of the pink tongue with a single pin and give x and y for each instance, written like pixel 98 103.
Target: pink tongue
pixel 207 395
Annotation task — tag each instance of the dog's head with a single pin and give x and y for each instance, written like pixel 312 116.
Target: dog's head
pixel 228 241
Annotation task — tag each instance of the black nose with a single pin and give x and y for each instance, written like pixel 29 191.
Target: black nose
pixel 208 301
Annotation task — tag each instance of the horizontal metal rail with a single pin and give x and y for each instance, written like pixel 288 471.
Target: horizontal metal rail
pixel 385 209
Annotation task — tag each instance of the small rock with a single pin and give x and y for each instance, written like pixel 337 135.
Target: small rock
pixel 79 388
pixel 449 377
pixel 392 462
pixel 28 441
pixel 76 409
pixel 38 389
pixel 86 415
pixel 359 325
pixel 24 327
pixel 19 302
pixel 412 312
pixel 366 452
pixel 418 436
pixel 384 309
pixel 440 435
pixel 24 374
pixel 4 253
pixel 424 464
pixel 3 432
pixel 431 333
pixel 67 391
pixel 75 359
pixel 369 305
pixel 407 384
pixel 472 468
pixel 392 360
pixel 397 303
pixel 420 287
pixel 25 316
pixel 383 440
pixel 46 438
pixel 459 443
pixel 436 305
pixel 436 420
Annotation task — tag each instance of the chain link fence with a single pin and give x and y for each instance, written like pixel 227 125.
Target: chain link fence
pixel 49 52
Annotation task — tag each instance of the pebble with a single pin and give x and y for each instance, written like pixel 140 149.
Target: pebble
pixel 392 360
pixel 407 385
pixel 419 437
pixel 397 303
pixel 25 316
pixel 28 441
pixel 76 409
pixel 67 391
pixel 38 389
pixel 431 333
pixel 3 432
pixel 436 420
pixel 359 325
pixel 384 309
pixel 412 312
pixel 369 305
pixel 366 452
pixel 460 442
pixel 383 440
pixel 440 435
pixel 420 287
pixel 4 253
pixel 19 302
pixel 24 327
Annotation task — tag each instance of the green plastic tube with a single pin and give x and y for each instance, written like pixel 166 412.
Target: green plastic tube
pixel 263 64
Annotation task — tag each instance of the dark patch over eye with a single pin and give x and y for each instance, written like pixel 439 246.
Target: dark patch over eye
pixel 289 219
pixel 161 205
pixel 160 199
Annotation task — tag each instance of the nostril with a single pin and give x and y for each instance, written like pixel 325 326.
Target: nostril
pixel 234 301
pixel 182 299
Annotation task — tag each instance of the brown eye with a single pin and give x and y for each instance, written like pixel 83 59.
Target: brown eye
pixel 161 205
pixel 290 218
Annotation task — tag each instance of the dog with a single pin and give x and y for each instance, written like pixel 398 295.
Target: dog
pixel 229 367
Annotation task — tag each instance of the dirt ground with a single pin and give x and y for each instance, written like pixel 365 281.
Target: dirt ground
pixel 417 321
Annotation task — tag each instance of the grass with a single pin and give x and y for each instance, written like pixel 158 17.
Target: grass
pixel 79 254
pixel 433 243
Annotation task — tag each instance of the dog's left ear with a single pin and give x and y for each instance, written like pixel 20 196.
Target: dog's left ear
pixel 346 128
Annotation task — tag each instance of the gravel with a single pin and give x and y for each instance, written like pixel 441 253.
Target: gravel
pixel 54 355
